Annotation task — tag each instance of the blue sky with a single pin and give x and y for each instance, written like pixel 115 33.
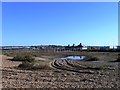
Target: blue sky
pixel 90 23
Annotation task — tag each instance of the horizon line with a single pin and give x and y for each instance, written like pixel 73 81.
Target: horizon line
pixel 58 45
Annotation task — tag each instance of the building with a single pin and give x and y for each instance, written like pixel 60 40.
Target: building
pixel 98 48
pixel 104 47
pixel 118 47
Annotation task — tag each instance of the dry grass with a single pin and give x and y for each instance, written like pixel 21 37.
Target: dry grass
pixel 106 56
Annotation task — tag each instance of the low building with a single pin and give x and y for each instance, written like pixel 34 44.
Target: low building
pixel 98 47
pixel 93 47
pixel 104 47
pixel 118 47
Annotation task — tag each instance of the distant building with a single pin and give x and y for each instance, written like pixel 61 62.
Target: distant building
pixel 118 47
pixel 93 47
pixel 113 47
pixel 98 47
pixel 104 47
pixel 84 48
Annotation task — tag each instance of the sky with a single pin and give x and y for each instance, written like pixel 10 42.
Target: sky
pixel 59 23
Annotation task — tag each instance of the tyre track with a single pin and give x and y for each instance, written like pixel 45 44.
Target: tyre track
pixel 66 65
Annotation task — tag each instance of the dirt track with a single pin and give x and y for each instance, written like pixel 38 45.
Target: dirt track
pixel 64 74
pixel 6 63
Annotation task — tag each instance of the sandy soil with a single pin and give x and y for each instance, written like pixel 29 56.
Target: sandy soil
pixel 6 63
pixel 63 74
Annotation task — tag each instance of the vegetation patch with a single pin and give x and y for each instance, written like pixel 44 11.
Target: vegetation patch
pixel 23 58
pixel 26 65
pixel 105 56
pixel 30 63
pixel 34 66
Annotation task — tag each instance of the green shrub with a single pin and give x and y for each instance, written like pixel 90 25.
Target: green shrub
pixel 18 58
pixel 23 58
pixel 31 66
pixel 28 58
pixel 26 65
